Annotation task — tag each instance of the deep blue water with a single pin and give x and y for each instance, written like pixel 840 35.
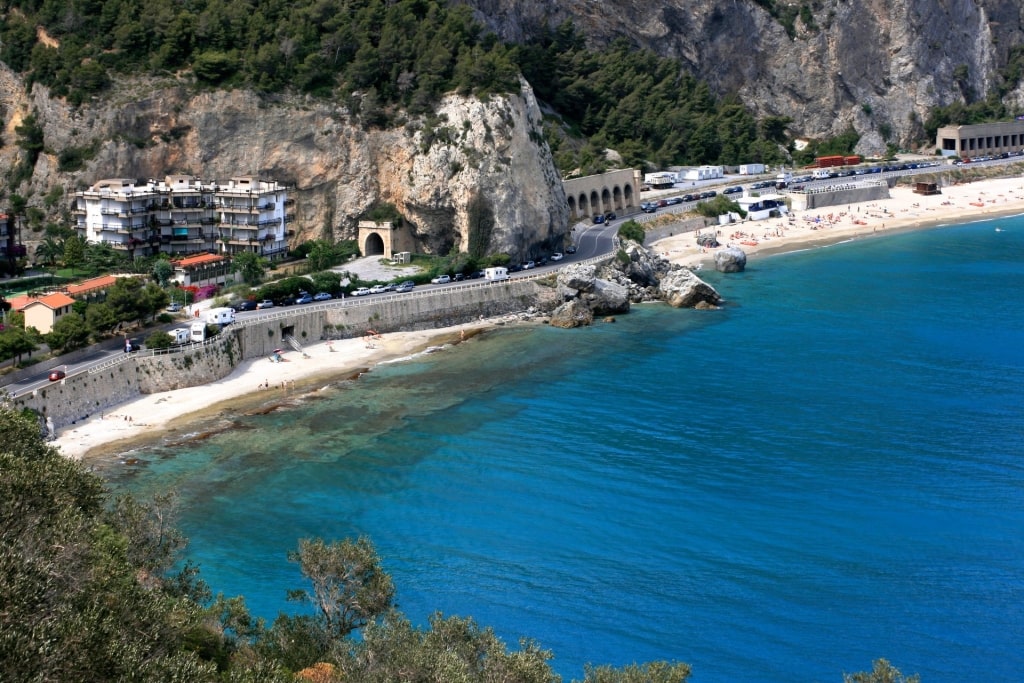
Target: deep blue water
pixel 825 472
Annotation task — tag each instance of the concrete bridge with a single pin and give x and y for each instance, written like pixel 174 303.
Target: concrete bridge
pixel 617 191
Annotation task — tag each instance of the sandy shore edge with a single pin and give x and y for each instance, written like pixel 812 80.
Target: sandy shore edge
pixel 257 383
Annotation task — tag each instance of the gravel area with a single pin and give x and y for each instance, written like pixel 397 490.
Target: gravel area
pixel 376 268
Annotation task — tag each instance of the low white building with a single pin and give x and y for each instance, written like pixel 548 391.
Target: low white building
pixel 751 169
pixel 764 206
pixel 704 173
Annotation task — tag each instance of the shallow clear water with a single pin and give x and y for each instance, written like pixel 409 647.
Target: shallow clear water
pixel 826 472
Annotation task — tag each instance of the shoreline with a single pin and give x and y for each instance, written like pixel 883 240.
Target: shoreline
pixel 903 212
pixel 259 385
pixel 254 386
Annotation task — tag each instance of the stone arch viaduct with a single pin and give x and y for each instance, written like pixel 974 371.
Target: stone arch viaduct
pixel 616 191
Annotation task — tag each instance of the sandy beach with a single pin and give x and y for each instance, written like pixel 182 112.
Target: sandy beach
pixel 254 385
pixel 260 382
pixel 904 210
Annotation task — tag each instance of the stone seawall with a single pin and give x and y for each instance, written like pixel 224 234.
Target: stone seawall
pixel 854 194
pixel 84 394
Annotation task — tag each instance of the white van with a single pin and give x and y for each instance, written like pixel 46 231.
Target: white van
pixel 181 335
pixel 495 274
pixel 220 316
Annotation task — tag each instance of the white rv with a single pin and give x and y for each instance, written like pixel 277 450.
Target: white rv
pixel 495 274
pixel 197 332
pixel 220 316
pixel 182 335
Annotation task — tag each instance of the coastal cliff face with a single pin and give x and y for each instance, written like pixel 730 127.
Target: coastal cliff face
pixel 477 167
pixel 875 65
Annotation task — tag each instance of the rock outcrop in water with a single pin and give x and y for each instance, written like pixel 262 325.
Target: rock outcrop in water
pixel 730 260
pixel 636 275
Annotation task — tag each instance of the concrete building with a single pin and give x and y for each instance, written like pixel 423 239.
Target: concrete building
pixel 184 215
pixel 203 269
pixel 764 206
pixel 980 139
pixel 43 312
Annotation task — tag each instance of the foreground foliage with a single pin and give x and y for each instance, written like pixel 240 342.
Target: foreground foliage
pixel 87 594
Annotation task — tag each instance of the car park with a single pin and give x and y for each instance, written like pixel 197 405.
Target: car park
pixel 557 256
pixel 57 375
pixel 378 289
pixel 322 296
pixel 442 280
pixel 266 303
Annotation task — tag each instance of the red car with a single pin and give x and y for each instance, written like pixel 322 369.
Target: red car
pixel 57 375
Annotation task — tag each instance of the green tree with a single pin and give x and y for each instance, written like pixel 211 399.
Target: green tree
pixel 74 252
pixel 881 672
pixel 126 299
pixel 49 250
pixel 326 281
pixel 68 333
pixel 15 341
pixel 321 256
pixel 154 299
pixel 159 340
pixel 162 271
pixel 631 230
pixel 251 266
pixel 101 319
pixel 349 588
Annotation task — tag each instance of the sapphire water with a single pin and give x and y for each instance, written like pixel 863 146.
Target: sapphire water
pixel 825 472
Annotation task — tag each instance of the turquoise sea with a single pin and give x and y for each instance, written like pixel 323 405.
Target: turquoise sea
pixel 828 471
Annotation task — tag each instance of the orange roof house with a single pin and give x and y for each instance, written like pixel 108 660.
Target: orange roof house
pixel 203 269
pixel 86 287
pixel 43 312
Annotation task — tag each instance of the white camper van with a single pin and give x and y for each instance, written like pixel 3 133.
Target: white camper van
pixel 220 316
pixel 197 332
pixel 495 274
pixel 181 335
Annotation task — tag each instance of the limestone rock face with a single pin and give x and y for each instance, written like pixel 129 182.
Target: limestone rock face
pixel 877 66
pixel 681 288
pixel 574 313
pixel 606 298
pixel 730 260
pixel 478 177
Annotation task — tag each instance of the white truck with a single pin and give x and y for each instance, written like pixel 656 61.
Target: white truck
pixel 219 316
pixel 496 274
pixel 783 180
pixel 182 335
pixel 197 332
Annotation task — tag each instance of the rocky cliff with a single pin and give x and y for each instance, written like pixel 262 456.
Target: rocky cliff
pixel 476 167
pixel 875 65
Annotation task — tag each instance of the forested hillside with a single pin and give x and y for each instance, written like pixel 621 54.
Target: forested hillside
pixel 399 58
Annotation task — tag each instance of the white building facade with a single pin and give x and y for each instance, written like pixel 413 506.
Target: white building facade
pixel 185 215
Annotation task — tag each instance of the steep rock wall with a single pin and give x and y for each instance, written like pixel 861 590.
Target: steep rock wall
pixel 876 65
pixel 478 168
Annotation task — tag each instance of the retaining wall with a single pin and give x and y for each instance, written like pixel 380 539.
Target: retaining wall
pixel 128 376
pixel 853 194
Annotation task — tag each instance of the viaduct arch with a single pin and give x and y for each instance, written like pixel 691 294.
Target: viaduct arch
pixel 612 191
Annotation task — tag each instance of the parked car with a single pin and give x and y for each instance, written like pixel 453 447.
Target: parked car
pixel 459 277
pixel 442 280
pixel 246 305
pixel 529 265
pixel 322 296
pixel 361 291
pixel 557 256
pixel 174 307
pixel 672 201
pixel 266 303
pixel 570 249
pixel 378 289
pixel 132 345
pixel 304 298
pixel 405 287
pixel 609 216
pixel 598 218
pixel 732 190
pixel 662 202
pixel 648 207
pixel 514 267
pixel 476 275
pixel 57 375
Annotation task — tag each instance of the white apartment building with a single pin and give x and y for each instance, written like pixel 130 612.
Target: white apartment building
pixel 185 215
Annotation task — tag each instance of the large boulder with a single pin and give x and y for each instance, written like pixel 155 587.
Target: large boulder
pixel 681 288
pixel 730 260
pixel 574 313
pixel 606 298
pixel 576 278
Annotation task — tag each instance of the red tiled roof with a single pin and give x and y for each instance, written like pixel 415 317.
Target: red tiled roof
pixel 20 302
pixel 89 285
pixel 198 260
pixel 52 301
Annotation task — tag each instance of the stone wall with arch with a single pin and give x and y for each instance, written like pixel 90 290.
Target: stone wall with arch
pixel 617 191
pixel 384 239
